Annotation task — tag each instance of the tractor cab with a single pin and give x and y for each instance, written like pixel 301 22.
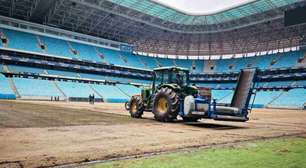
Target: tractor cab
pixel 176 76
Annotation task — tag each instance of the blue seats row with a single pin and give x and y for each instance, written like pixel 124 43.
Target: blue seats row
pixel 60 47
pixel 269 61
pixel 64 48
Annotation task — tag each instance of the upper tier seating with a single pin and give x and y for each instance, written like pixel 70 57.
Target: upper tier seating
pixel 57 47
pixel 85 52
pixel 60 47
pixel 21 41
pixel 279 60
pixel 63 48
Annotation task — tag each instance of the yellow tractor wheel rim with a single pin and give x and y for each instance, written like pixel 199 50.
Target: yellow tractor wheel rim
pixel 162 105
pixel 133 107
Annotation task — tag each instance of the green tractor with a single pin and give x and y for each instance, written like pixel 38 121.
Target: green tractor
pixel 171 95
pixel 170 85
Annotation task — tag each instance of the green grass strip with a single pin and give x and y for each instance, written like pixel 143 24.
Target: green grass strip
pixel 276 153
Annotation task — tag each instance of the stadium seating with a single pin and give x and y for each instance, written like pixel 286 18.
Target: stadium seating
pixel 121 93
pixel 292 98
pixel 111 93
pixel 14 68
pixel 62 73
pixel 41 87
pixel 275 98
pixel 288 59
pixel 21 41
pixel 59 47
pixel 85 52
pixel 223 96
pixel 74 89
pixel 4 86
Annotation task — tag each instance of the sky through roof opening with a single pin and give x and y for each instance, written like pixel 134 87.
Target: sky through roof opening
pixel 202 7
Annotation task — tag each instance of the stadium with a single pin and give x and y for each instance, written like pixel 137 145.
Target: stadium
pixel 82 83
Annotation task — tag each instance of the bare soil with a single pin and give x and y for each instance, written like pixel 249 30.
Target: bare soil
pixel 39 134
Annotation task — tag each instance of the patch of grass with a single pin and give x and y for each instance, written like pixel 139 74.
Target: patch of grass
pixel 277 153
pixel 29 115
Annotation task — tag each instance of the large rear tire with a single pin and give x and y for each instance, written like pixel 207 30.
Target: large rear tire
pixel 136 107
pixel 165 105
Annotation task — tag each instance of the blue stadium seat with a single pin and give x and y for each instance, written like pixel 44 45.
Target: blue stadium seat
pixel 121 93
pixel 21 40
pixel 57 47
pixel 14 68
pixel 35 87
pixel 75 89
pixel 4 86
pixel 292 98
pixel 111 93
pixel 86 52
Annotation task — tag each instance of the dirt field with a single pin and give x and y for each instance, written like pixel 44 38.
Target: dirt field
pixel 38 134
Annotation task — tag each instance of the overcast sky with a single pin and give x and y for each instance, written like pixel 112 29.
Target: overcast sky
pixel 202 6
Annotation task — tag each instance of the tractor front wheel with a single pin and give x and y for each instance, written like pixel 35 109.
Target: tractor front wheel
pixel 165 105
pixel 136 107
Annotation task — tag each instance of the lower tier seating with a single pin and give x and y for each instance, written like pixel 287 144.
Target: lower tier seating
pixel 34 87
pixel 4 85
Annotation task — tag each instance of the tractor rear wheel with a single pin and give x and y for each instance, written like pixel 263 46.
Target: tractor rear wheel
pixel 165 105
pixel 136 107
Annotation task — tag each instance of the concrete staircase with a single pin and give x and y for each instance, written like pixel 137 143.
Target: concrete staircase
pixel 302 63
pixel 207 66
pixel 283 93
pixel 158 63
pixel 275 98
pixel 100 55
pixel 124 60
pixel 13 87
pixel 11 82
pixel 41 43
pixel 3 36
pixel 57 87
pixel 174 62
pixel 96 92
pixel 142 62
pixel 92 88
pixel 60 90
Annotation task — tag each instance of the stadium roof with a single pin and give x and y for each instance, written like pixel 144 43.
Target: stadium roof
pixel 168 13
pixel 153 27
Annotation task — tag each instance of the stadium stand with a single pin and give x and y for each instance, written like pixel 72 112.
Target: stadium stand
pixel 28 42
pixel 291 98
pixel 5 89
pixel 43 88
